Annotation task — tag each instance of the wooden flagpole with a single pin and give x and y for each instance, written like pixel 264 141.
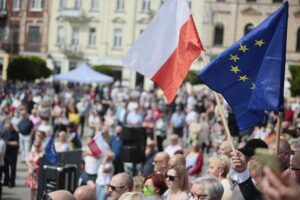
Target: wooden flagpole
pixel 278 132
pixel 220 108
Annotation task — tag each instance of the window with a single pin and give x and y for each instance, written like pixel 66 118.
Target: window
pixel 34 35
pixel 248 28
pixel 60 35
pixel 92 37
pixel 220 0
pixel 15 30
pixel 36 5
pixel 2 32
pixel 145 5
pixel 2 4
pixel 298 41
pixel 94 5
pixel 120 5
pixel 62 4
pixel 75 35
pixel 57 67
pixel 277 1
pixel 251 0
pixel 190 3
pixel 77 4
pixel 218 35
pixel 17 5
pixel 73 65
pixel 117 40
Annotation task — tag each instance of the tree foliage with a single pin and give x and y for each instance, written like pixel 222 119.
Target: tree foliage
pixel 27 68
pixel 192 77
pixel 295 79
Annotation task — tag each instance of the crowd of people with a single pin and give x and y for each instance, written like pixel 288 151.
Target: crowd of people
pixel 181 138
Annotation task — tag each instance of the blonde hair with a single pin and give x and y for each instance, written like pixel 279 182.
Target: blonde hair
pixel 110 155
pixel 132 196
pixel 221 161
pixel 138 182
pixel 254 165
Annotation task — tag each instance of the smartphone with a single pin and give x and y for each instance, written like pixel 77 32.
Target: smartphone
pixel 267 157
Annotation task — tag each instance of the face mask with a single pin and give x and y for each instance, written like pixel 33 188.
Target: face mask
pixel 149 191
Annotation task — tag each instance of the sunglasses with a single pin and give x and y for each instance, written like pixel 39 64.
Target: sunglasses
pixel 114 188
pixel 169 177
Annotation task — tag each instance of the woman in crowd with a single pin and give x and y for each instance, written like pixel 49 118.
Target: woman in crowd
pixel 218 167
pixel 177 182
pixel 62 144
pixel 194 161
pixel 33 166
pixel 154 185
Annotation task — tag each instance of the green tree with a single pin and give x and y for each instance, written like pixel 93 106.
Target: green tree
pixel 105 69
pixel 27 68
pixel 295 79
pixel 192 77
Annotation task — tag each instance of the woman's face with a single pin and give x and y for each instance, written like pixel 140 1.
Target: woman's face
pixel 213 170
pixel 149 187
pixel 172 179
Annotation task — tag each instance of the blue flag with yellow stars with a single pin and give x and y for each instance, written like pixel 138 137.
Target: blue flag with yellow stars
pixel 250 73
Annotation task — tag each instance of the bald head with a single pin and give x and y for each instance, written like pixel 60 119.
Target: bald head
pixel 161 162
pixel 177 159
pixel 86 192
pixel 61 195
pixel 124 179
pixel 284 152
pixel 225 149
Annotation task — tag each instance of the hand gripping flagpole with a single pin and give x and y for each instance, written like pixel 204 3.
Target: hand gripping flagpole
pixel 278 132
pixel 221 111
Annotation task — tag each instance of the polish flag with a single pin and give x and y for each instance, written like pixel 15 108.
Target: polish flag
pixel 98 145
pixel 167 48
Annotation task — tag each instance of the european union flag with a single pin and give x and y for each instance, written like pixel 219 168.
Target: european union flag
pixel 250 73
pixel 50 153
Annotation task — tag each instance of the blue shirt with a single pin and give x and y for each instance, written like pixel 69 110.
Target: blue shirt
pixel 116 147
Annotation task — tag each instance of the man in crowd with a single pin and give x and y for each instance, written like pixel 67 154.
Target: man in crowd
pixel 207 187
pixel 160 162
pixel 119 184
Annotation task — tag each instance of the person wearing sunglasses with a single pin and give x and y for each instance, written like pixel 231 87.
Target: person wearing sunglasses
pixel 206 188
pixel 154 185
pixel 177 182
pixel 119 184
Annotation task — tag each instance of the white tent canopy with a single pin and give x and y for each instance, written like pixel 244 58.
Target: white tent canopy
pixel 84 74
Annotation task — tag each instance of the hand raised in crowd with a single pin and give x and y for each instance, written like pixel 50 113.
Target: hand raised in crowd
pixel 274 188
pixel 239 162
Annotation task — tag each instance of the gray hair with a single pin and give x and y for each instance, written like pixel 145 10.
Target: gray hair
pixel 213 187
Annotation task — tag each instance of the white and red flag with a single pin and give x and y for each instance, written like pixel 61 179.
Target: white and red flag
pixel 98 146
pixel 167 48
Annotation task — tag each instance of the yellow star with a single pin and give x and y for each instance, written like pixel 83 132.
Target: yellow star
pixel 235 69
pixel 253 86
pixel 234 57
pixel 243 78
pixel 243 48
pixel 259 42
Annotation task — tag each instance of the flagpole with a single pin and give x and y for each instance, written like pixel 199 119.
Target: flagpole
pixel 221 111
pixel 278 132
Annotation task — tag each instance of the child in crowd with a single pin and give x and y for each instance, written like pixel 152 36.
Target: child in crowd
pixel 105 172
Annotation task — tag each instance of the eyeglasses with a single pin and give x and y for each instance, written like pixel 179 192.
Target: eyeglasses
pixel 171 178
pixel 114 188
pixel 292 168
pixel 198 196
pixel 156 161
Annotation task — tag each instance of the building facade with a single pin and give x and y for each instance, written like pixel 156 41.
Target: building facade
pixel 100 32
pixel 24 31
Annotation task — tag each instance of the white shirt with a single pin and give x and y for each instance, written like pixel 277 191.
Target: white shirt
pixel 92 164
pixel 102 177
pixel 172 149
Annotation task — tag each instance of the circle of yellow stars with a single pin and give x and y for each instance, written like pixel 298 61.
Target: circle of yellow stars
pixel 234 57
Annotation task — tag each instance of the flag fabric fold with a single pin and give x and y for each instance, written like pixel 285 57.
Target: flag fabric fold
pixel 98 146
pixel 167 48
pixel 250 73
pixel 50 153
